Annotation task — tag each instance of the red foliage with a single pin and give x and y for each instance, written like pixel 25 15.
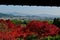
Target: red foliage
pixel 39 28
pixel 43 28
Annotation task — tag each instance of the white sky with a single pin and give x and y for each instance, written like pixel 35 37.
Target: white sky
pixel 30 9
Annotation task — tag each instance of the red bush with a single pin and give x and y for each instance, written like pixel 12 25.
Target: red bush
pixel 39 28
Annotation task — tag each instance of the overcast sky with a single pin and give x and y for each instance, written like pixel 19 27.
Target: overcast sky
pixel 30 9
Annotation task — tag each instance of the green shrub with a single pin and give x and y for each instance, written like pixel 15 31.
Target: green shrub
pixel 56 22
pixel 52 38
